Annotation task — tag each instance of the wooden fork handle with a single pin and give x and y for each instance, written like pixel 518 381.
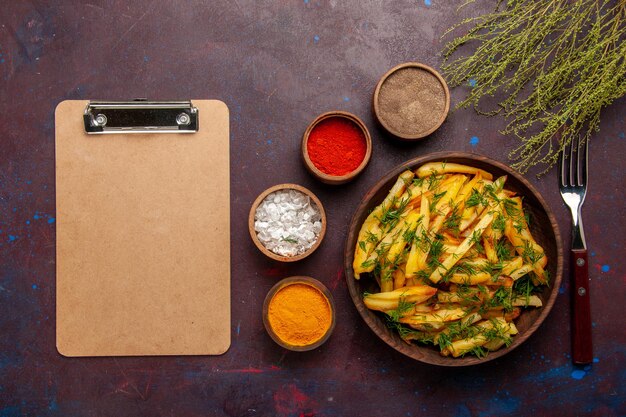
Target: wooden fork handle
pixel 582 349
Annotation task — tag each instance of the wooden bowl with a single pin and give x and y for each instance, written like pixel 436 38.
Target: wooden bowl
pixel 253 233
pixel 544 228
pixel 336 179
pixel 394 130
pixel 298 280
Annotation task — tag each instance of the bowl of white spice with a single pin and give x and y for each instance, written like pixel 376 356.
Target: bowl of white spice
pixel 287 222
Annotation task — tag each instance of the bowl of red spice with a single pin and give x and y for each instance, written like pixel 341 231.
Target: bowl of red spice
pixel 336 147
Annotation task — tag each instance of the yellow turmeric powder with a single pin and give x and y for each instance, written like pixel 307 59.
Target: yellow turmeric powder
pixel 299 314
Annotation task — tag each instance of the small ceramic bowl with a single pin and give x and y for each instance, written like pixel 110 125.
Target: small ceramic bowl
pixel 299 280
pixel 398 112
pixel 253 233
pixel 333 179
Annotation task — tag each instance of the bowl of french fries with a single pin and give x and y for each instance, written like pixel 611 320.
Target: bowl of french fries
pixel 453 259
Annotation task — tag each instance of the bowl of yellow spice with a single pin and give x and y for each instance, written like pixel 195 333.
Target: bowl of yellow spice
pixel 299 313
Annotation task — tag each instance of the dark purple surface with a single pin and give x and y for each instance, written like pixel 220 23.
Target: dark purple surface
pixel 277 65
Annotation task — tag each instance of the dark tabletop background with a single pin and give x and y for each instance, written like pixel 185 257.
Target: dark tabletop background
pixel 277 64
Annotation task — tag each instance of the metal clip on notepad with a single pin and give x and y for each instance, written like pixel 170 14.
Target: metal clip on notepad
pixel 140 116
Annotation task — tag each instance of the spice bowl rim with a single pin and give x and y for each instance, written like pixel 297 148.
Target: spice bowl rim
pixel 255 238
pixel 299 279
pixel 336 179
pixel 376 105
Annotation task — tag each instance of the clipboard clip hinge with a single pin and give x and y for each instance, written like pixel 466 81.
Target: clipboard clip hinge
pixel 140 116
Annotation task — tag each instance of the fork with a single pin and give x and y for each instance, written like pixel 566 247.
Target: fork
pixel 573 188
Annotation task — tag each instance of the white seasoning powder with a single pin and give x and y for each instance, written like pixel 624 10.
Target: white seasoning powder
pixel 287 222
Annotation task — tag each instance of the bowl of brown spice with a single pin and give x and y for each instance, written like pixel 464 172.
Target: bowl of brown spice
pixel 411 101
pixel 299 313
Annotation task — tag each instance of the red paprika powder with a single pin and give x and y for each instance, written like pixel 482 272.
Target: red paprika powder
pixel 336 146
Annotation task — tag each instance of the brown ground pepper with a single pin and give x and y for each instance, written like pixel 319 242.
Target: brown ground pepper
pixel 411 101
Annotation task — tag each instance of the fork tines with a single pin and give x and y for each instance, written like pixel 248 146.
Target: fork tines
pixel 574 173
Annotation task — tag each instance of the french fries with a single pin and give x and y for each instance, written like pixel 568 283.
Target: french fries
pixel 446 168
pixel 417 255
pixel 372 230
pixel 385 301
pixel 454 258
